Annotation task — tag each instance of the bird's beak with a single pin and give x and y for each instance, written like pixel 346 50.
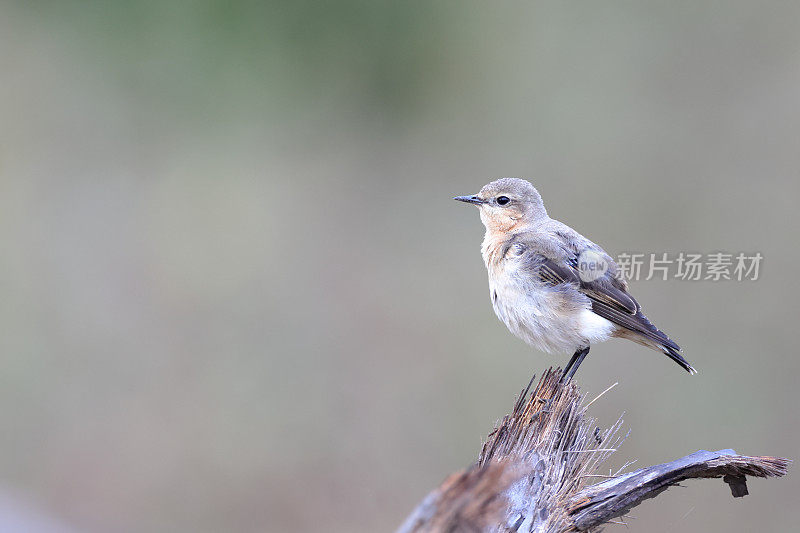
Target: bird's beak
pixel 470 199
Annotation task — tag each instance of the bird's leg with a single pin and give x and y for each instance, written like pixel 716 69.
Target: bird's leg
pixel 574 363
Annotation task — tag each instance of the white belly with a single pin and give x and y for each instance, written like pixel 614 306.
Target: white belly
pixel 555 321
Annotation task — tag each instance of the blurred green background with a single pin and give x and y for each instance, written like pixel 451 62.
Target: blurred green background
pixel 237 295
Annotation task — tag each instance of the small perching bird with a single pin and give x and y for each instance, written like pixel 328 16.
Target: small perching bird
pixel 551 286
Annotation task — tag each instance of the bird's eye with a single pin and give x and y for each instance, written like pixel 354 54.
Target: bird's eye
pixel 502 200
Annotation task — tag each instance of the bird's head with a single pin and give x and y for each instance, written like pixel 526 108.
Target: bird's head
pixel 507 203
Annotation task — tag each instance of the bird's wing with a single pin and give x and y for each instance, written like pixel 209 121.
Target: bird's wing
pixel 608 293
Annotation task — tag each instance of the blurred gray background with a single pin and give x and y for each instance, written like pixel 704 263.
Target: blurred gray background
pixel 237 295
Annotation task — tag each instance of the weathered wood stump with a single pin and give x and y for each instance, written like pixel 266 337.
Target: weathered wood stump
pixel 533 472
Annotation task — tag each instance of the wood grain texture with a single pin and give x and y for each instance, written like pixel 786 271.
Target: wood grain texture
pixel 534 471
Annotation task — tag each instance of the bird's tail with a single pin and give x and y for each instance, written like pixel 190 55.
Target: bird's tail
pixel 678 358
pixel 645 332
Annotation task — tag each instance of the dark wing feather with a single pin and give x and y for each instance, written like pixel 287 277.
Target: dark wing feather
pixel 608 295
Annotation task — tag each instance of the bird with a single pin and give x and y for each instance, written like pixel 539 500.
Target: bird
pixel 551 286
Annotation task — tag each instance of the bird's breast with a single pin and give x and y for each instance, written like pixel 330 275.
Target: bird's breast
pixel 554 319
